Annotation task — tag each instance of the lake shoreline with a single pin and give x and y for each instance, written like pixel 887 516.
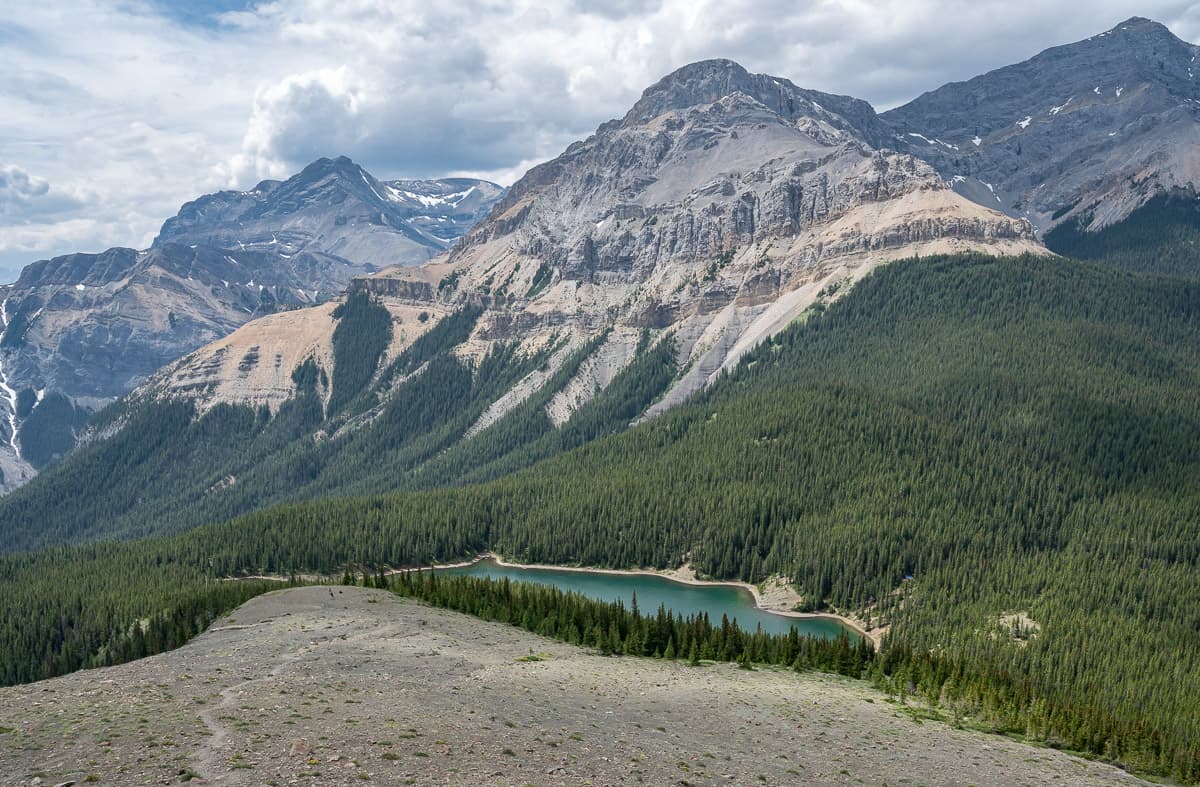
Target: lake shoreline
pixel 684 576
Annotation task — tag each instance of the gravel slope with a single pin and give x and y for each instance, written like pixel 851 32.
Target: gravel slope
pixel 352 686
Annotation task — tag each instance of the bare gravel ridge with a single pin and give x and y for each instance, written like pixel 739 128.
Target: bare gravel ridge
pixel 340 686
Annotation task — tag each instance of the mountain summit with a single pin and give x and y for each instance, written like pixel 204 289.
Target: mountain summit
pixel 709 81
pixel 334 206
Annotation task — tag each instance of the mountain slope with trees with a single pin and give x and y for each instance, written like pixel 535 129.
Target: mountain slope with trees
pixel 998 458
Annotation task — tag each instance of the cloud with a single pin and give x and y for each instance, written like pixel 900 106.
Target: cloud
pixel 24 197
pixel 300 118
pixel 616 9
pixel 132 108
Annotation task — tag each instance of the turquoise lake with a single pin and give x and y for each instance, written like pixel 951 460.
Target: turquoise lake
pixel 652 591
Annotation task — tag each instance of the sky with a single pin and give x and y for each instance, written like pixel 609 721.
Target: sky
pixel 113 114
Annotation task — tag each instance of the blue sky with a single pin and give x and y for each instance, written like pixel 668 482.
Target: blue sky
pixel 202 13
pixel 113 113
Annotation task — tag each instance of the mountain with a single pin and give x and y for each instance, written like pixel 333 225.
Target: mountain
pixel 81 330
pixel 336 207
pixel 1089 131
pixel 717 210
pixel 606 287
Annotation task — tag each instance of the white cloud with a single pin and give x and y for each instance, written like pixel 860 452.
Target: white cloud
pixel 132 112
pixel 300 118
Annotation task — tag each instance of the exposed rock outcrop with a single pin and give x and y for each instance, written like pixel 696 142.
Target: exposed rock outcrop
pixel 716 209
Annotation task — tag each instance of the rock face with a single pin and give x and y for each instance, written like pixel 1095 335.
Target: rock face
pixel 336 207
pixel 719 208
pixel 1091 130
pixel 81 330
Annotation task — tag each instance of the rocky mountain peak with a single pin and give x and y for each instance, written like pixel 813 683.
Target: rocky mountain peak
pixel 703 82
pixel 323 165
pixel 710 81
pixel 1140 25
pixel 334 206
pixel 325 177
pixel 1138 47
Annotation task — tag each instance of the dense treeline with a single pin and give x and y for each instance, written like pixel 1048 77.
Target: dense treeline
pixel 104 608
pixel 612 628
pixel 1021 437
pixel 363 332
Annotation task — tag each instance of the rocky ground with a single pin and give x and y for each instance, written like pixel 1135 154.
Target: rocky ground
pixel 350 686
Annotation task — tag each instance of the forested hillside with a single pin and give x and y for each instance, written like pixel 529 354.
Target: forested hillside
pixel 1000 457
pixel 168 469
pixel 1161 237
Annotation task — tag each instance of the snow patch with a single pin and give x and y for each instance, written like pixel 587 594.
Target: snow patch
pixel 1061 107
pixel 929 141
pixel 374 191
pixel 402 196
pixel 1025 123
pixel 80 287
pixel 1120 90
pixel 976 141
pixel 7 390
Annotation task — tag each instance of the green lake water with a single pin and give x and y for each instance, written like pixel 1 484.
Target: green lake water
pixel 652 591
